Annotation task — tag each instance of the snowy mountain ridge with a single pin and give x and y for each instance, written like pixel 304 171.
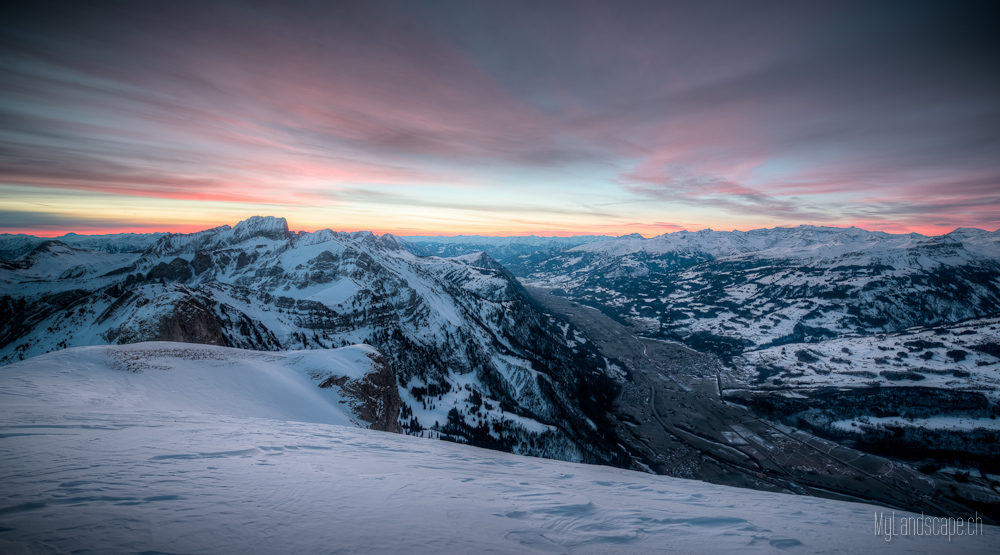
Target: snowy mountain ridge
pixel 475 361
pixel 802 242
pixel 749 289
pixel 536 240
pixel 499 248
pixel 13 246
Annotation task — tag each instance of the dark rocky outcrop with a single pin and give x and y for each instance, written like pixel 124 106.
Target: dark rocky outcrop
pixel 375 397
pixel 202 261
pixel 188 321
pixel 191 322
pixel 178 270
pixel 242 260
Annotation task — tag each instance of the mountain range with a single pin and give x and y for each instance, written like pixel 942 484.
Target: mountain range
pixel 690 354
pixel 474 360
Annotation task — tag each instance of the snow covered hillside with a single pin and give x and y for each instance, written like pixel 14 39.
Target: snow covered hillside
pixel 351 386
pixel 214 450
pixel 960 356
pixel 921 394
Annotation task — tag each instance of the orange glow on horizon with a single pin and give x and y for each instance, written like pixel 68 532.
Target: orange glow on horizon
pixel 613 230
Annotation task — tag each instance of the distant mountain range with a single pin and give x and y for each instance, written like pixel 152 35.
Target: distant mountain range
pixel 727 292
pixel 13 246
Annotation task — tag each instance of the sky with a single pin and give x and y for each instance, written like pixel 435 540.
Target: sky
pixel 499 118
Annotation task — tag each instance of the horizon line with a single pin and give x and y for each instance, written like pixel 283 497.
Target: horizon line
pixel 195 228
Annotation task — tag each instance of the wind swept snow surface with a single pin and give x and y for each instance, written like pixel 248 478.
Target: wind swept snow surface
pixel 96 459
pixel 185 378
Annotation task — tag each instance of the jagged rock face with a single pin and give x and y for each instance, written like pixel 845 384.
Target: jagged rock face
pixel 148 312
pixel 375 397
pixel 189 322
pixel 202 261
pixel 506 376
pixel 177 270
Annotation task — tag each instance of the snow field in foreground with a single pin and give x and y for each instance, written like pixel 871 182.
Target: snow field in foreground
pixel 99 460
pixel 114 483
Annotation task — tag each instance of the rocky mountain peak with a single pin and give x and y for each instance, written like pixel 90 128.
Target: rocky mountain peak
pixel 268 227
pixel 50 246
pixel 392 242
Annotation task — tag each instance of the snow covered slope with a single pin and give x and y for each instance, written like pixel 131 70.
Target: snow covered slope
pixel 920 394
pixel 97 458
pixel 963 356
pixel 337 386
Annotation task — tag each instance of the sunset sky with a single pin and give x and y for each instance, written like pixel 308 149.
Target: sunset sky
pixel 503 118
